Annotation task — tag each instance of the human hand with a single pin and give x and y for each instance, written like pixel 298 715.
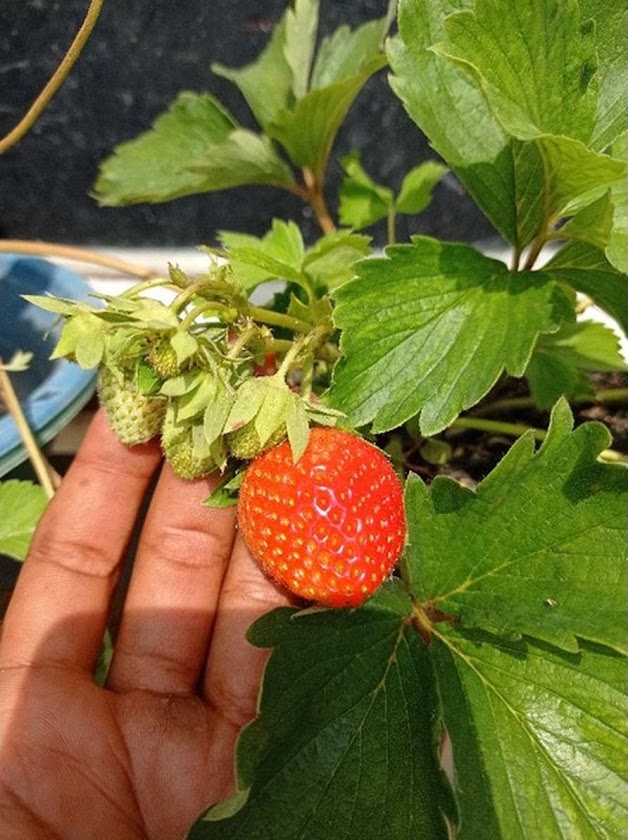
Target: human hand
pixel 142 757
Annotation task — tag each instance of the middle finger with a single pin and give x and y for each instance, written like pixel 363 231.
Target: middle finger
pixel 170 606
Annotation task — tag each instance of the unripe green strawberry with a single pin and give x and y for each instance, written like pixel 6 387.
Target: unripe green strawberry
pixel 185 462
pixel 245 444
pixel 163 358
pixel 330 527
pixel 177 442
pixel 134 417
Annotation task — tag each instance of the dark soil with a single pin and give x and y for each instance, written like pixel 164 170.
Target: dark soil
pixel 475 453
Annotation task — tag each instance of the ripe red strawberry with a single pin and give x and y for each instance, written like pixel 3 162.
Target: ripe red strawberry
pixel 267 367
pixel 330 527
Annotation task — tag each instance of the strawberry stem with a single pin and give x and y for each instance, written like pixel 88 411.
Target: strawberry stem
pixel 208 305
pixel 241 341
pixel 278 345
pixel 308 376
pixel 185 296
pixel 277 319
pixel 289 358
pixel 313 194
pixel 607 395
pixel 483 424
pixel 138 288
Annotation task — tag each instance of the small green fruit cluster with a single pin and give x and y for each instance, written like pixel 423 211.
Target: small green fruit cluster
pixel 199 373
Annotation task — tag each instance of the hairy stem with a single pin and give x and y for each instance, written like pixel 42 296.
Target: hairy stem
pixel 240 343
pixel 516 258
pixel 517 429
pixel 313 194
pixel 69 252
pixel 277 319
pixel 290 356
pixel 46 475
pixel 207 306
pixel 535 250
pixel 56 80
pixel 183 298
pixel 308 377
pixel 391 223
pixel 606 395
pixel 145 285
pixel 497 427
pixel 277 345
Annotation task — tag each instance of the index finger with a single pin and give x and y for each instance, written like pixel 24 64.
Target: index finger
pixel 73 562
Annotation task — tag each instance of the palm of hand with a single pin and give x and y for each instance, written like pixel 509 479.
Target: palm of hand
pixel 132 765
pixel 142 757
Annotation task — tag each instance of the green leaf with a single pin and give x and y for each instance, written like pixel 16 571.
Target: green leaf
pixel 574 175
pixel 58 305
pixel 278 254
pixel 22 504
pixel 184 383
pixel 301 27
pixel 343 745
pixel 523 187
pixel 308 131
pixel 559 361
pixel 587 270
pixel 266 84
pixel 330 261
pixel 226 495
pixel 147 381
pixel 344 50
pixel 217 411
pixel 551 377
pixel 298 428
pixel 153 166
pixel 430 329
pixel 617 247
pixel 453 113
pixel 418 185
pixel 538 737
pixel 362 201
pixel 82 339
pixel 184 345
pixel 244 158
pixel 196 400
pixel 541 86
pixel 535 62
pixel 194 147
pixel 611 24
pixel 592 224
pixel 536 549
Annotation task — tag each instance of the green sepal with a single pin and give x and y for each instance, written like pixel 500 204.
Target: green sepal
pixel 82 340
pixel 226 493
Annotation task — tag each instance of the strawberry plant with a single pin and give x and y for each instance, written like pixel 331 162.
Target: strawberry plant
pixel 502 629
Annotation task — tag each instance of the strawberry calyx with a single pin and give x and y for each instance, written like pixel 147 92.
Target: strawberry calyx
pixel 214 375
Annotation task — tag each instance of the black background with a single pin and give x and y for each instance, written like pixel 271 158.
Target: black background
pixel 140 55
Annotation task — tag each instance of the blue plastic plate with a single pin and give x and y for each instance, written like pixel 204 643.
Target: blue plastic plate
pixel 51 392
